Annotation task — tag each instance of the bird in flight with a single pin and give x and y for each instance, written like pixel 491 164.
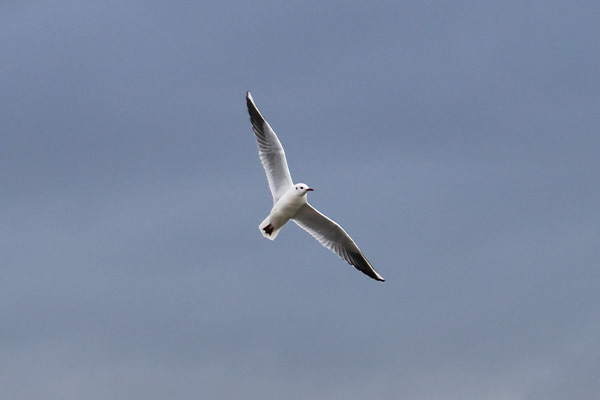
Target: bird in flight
pixel 289 200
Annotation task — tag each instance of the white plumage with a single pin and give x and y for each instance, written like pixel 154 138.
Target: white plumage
pixel 289 200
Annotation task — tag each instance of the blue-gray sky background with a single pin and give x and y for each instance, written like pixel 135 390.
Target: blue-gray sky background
pixel 457 142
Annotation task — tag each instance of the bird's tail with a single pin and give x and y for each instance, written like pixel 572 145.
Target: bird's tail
pixel 268 230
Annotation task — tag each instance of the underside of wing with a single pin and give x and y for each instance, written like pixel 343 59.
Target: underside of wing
pixel 270 151
pixel 333 237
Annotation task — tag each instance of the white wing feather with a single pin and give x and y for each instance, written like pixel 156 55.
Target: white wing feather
pixel 333 237
pixel 270 151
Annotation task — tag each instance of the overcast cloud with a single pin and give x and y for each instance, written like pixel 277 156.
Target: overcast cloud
pixel 457 142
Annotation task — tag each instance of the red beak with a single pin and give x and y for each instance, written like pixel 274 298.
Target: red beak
pixel 310 190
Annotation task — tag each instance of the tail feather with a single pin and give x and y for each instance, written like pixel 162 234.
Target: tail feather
pixel 268 230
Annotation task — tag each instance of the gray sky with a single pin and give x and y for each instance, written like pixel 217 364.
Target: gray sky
pixel 457 142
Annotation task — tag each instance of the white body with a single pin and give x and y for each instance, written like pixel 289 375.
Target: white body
pixel 284 209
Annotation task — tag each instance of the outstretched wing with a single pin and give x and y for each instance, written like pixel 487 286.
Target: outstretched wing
pixel 270 151
pixel 333 237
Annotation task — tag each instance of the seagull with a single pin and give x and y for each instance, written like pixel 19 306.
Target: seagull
pixel 289 200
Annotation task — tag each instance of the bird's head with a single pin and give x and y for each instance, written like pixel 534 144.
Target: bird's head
pixel 302 189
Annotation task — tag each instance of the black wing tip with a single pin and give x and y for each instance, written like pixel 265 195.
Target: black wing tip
pixel 250 101
pixel 375 276
pixel 360 262
pixel 252 109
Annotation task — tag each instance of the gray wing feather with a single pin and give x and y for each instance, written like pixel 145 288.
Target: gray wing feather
pixel 270 151
pixel 333 237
